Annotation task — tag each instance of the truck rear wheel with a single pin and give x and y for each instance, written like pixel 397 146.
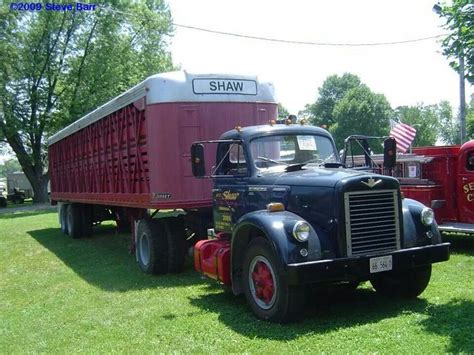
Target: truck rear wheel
pixel 267 292
pixel 407 283
pixel 152 246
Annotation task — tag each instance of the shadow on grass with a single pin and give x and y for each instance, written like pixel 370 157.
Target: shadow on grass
pixel 334 309
pixel 25 213
pixel 453 319
pixel 461 243
pixel 103 260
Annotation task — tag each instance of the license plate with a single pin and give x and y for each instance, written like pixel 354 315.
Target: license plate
pixel 382 263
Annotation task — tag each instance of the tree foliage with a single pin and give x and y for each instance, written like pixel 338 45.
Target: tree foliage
pixel 9 166
pixel 470 120
pixel 57 66
pixel 321 113
pixel 360 111
pixel 282 111
pixel 459 17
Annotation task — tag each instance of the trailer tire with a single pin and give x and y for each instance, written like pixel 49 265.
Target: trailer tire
pixel 175 233
pixel 74 220
pixel 267 292
pixel 63 218
pixel 86 219
pixel 406 283
pixel 152 246
pixel 3 202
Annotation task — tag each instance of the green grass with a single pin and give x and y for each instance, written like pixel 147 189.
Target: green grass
pixel 88 295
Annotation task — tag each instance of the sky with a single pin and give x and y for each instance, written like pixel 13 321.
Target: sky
pixel 407 74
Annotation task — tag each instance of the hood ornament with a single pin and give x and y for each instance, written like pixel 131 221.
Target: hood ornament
pixel 371 182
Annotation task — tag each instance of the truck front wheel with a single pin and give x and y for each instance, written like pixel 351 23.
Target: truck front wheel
pixel 152 247
pixel 267 293
pixel 407 283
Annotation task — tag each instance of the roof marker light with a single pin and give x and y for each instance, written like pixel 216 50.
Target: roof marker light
pixel 275 207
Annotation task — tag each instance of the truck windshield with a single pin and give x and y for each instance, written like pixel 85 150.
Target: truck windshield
pixel 286 150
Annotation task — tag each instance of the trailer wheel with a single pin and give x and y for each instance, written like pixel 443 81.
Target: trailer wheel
pixel 63 218
pixel 3 202
pixel 152 246
pixel 86 219
pixel 74 220
pixel 267 292
pixel 407 283
pixel 175 233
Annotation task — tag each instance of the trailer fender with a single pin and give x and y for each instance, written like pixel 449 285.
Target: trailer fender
pixel 415 232
pixel 277 228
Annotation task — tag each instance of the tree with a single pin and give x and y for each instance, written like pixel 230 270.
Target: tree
pixel 57 66
pixel 9 166
pixel 331 92
pixel 360 111
pixel 470 120
pixel 426 121
pixel 459 16
pixel 448 124
pixel 282 111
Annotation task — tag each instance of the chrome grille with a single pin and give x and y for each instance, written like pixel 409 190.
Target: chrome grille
pixel 372 222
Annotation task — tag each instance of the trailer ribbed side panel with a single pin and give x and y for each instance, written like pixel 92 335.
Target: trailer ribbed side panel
pixel 104 162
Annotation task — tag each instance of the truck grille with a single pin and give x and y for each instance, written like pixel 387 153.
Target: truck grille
pixel 372 222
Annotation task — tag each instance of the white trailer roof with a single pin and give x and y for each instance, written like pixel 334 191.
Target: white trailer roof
pixel 180 86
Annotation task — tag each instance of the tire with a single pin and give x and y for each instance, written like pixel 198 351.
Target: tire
pixel 63 218
pixel 267 292
pixel 3 202
pixel 86 219
pixel 74 223
pixel 152 247
pixel 176 243
pixel 407 283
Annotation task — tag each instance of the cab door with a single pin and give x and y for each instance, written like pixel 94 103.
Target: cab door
pixel 231 186
pixel 466 183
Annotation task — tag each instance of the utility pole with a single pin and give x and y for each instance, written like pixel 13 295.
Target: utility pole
pixel 462 87
pixel 462 97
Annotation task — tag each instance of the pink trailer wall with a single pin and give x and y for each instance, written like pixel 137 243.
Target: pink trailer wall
pixel 141 158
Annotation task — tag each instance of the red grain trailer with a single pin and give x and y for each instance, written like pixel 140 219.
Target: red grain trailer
pixel 133 153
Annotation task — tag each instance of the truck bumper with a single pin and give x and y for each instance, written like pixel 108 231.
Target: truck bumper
pixel 357 268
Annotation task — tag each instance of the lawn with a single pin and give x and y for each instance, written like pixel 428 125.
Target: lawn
pixel 88 295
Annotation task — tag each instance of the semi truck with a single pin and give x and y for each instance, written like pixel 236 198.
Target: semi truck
pixel 195 162
pixel 441 177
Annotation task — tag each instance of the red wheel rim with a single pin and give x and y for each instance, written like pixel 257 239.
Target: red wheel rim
pixel 262 282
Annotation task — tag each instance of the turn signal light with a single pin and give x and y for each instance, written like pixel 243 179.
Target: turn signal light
pixel 275 207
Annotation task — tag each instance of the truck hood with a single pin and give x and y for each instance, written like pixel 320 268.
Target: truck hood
pixel 310 176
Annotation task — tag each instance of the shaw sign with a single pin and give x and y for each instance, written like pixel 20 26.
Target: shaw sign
pixel 225 86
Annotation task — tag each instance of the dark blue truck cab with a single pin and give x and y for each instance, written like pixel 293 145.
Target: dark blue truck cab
pixel 287 214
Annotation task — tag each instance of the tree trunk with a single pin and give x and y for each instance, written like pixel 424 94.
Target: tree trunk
pixel 40 190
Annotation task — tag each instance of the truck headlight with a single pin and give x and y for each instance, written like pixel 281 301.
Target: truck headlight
pixel 427 216
pixel 301 231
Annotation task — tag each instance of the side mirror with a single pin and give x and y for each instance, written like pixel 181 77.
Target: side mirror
pixel 389 153
pixel 197 160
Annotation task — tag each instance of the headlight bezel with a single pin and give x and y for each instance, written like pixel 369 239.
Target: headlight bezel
pixel 301 231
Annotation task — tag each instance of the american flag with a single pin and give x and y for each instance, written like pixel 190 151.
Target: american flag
pixel 403 134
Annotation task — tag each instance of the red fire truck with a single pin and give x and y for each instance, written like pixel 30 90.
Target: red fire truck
pixel 441 177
